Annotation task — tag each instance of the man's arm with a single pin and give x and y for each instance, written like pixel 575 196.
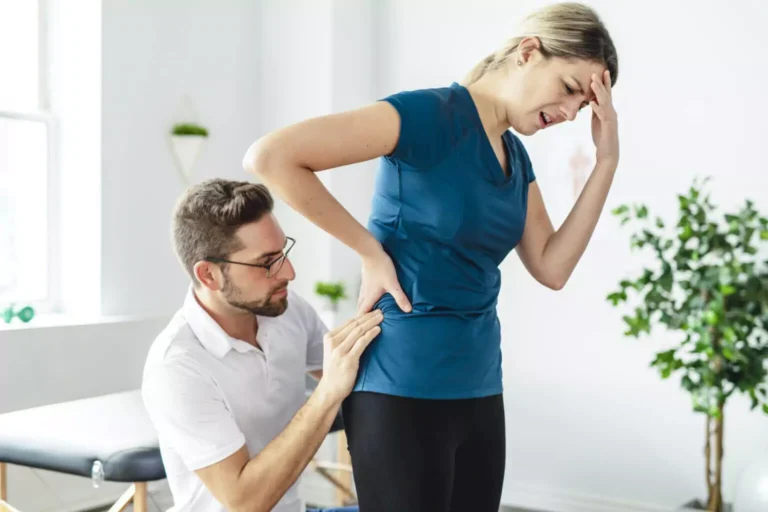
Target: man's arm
pixel 258 484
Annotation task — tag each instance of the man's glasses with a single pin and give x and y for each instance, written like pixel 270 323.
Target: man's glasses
pixel 273 267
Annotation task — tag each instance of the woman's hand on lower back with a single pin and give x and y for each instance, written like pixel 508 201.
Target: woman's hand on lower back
pixel 379 277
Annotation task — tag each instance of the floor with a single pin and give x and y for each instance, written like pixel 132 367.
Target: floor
pixel 157 506
pixel 160 500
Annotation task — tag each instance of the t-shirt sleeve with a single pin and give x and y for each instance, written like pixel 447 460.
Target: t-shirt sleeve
pixel 529 170
pixel 427 125
pixel 190 414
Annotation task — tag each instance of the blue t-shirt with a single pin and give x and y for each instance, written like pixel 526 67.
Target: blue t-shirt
pixel 447 215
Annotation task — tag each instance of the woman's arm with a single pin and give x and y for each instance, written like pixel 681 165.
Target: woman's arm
pixel 287 160
pixel 551 256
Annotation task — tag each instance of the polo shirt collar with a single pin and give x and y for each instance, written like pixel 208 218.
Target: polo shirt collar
pixel 208 331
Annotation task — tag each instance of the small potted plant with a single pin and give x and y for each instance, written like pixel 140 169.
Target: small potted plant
pixel 332 293
pixel 709 284
pixel 186 142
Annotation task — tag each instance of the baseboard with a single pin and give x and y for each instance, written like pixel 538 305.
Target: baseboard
pixel 527 496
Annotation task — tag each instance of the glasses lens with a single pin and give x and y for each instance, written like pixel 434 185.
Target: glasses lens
pixel 276 266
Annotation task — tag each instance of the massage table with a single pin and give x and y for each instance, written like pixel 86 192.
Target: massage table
pixel 108 438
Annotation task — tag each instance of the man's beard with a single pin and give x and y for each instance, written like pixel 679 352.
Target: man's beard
pixel 264 307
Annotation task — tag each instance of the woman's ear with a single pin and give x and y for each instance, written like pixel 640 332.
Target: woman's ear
pixel 528 51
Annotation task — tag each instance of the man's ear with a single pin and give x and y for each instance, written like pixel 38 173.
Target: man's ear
pixel 209 275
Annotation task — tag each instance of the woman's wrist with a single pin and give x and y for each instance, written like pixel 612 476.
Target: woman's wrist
pixel 367 246
pixel 606 165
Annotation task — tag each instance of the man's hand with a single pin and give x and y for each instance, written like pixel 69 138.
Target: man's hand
pixel 342 349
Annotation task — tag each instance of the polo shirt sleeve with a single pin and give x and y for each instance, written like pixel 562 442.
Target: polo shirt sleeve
pixel 190 414
pixel 316 330
pixel 428 127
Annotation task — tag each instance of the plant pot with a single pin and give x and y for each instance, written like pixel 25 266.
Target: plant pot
pixel 700 505
pixel 328 316
pixel 186 149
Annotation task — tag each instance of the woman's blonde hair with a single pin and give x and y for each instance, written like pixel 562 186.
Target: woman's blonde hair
pixel 567 30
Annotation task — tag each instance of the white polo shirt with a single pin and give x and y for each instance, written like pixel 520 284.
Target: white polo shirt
pixel 208 394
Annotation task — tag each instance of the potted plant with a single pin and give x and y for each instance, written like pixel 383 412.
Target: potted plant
pixel 709 284
pixel 332 292
pixel 186 142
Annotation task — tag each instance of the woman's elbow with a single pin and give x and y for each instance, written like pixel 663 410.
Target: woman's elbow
pixel 556 285
pixel 552 281
pixel 258 157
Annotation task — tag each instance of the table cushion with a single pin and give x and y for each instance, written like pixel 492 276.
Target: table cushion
pixel 70 437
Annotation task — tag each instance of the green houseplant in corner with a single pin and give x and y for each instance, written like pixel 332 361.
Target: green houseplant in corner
pixel 709 284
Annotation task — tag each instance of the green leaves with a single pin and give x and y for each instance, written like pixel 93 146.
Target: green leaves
pixel 667 363
pixel 334 291
pixel 708 283
pixel 711 317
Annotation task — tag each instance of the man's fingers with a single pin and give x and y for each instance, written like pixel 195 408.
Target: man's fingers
pixel 362 343
pixel 337 330
pixel 341 334
pixel 362 329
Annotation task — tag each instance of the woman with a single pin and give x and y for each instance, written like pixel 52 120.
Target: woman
pixel 455 193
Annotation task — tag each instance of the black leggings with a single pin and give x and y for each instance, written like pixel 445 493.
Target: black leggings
pixel 415 455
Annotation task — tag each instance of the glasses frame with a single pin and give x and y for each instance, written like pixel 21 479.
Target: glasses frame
pixel 279 260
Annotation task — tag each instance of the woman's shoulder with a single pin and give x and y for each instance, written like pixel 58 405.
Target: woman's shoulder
pixel 432 121
pixel 430 99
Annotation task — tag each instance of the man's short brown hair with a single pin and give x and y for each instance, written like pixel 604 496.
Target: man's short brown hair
pixel 208 215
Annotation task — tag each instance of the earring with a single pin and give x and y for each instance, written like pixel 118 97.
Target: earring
pixel 519 63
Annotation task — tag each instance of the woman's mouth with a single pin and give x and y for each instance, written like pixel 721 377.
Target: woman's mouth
pixel 544 119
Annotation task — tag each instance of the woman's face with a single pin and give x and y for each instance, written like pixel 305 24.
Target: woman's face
pixel 544 92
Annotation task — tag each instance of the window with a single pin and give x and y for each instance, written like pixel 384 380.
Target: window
pixel 25 142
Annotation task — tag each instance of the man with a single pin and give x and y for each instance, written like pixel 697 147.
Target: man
pixel 224 382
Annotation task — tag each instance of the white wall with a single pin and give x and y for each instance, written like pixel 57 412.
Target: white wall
pixel 247 68
pixel 156 56
pixel 590 426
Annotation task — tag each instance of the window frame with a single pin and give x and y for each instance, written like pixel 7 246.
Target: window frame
pixel 43 114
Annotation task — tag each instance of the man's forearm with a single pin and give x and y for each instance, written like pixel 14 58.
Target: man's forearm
pixel 269 475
